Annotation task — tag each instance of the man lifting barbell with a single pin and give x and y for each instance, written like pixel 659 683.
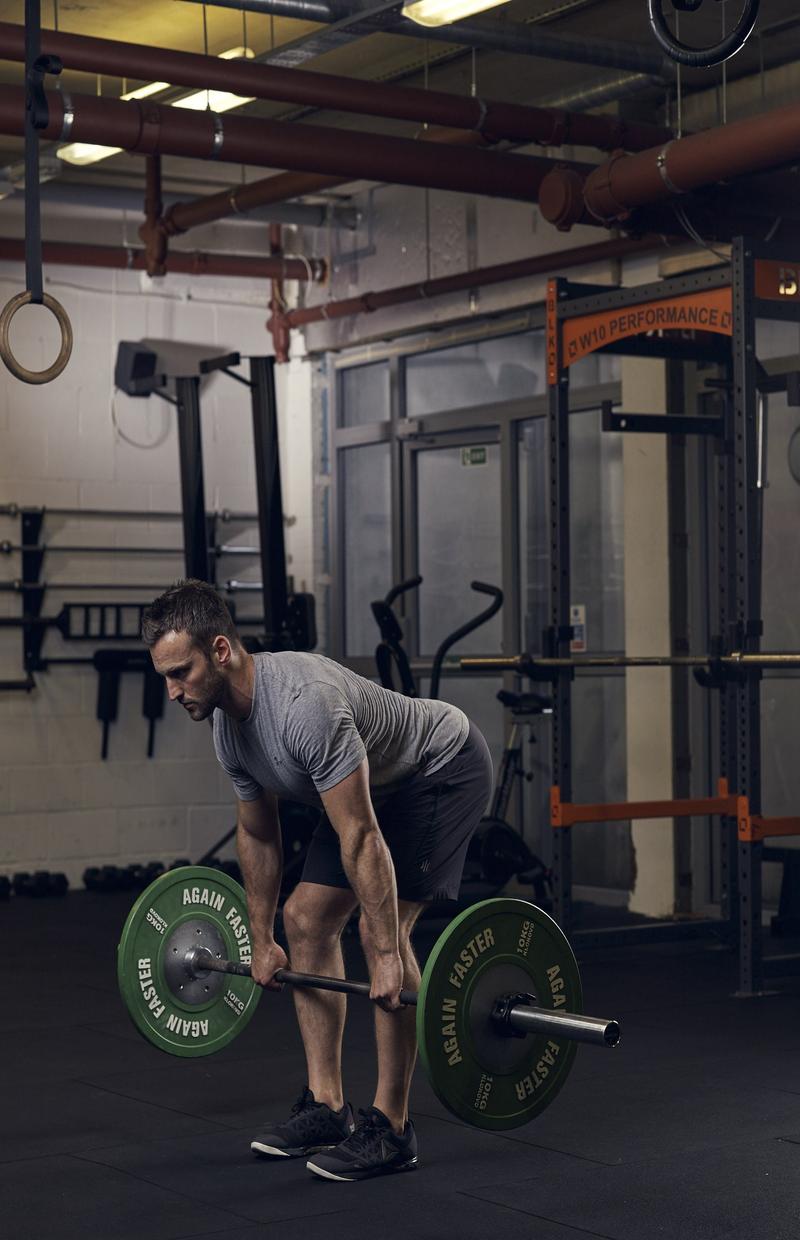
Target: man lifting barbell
pixel 404 783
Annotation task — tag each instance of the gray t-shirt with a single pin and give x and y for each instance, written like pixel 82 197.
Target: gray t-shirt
pixel 313 722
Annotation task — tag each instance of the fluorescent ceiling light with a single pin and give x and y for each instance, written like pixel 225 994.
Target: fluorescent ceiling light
pixel 237 53
pixel 82 153
pixel 443 12
pixel 218 100
pixel 143 92
pixel 213 100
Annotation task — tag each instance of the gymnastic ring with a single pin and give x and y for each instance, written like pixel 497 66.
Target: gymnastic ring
pixel 21 372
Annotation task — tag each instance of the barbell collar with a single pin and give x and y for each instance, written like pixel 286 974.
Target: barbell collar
pixel 523 1018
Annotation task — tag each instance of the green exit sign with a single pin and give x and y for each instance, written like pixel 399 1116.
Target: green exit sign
pixel 474 456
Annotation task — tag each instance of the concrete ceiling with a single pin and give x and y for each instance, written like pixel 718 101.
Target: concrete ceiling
pixel 382 57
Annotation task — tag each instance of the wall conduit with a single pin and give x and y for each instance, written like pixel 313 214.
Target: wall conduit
pixel 249 266
pixel 501 273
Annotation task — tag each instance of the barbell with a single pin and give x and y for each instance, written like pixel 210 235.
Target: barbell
pixel 498 1013
pixel 532 664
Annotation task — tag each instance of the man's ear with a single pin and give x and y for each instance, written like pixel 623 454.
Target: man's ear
pixel 222 650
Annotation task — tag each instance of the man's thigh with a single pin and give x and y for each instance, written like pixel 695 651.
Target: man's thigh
pixel 429 822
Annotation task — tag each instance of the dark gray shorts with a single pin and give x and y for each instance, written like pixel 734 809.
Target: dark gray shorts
pixel 427 824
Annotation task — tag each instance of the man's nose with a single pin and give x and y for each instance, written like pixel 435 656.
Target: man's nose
pixel 173 691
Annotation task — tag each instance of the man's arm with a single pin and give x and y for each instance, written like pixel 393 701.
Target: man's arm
pixel 258 842
pixel 368 865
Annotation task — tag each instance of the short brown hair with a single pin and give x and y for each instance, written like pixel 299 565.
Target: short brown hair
pixel 190 606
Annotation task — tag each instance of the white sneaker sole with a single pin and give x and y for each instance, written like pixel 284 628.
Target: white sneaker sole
pixel 354 1179
pixel 328 1175
pixel 258 1148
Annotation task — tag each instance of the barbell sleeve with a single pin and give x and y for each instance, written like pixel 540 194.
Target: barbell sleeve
pixel 522 1017
pixel 577 1028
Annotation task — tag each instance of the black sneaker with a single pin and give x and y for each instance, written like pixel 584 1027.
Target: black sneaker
pixel 312 1126
pixel 374 1148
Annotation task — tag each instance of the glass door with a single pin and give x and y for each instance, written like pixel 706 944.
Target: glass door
pixel 454 532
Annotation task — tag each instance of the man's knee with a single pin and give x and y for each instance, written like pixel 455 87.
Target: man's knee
pixel 312 920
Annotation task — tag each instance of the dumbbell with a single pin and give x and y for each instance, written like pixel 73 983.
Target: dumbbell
pixel 103 878
pixel 40 883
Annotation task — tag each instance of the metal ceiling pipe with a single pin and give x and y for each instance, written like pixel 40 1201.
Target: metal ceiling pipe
pixel 614 189
pixel 595 94
pixel 522 40
pixel 503 121
pixel 488 33
pixel 149 129
pixel 501 273
pixel 249 266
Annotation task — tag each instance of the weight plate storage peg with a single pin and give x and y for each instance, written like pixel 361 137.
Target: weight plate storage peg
pixel 488 1076
pixel 182 1012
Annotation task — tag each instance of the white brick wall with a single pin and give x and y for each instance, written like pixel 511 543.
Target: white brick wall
pixel 61 806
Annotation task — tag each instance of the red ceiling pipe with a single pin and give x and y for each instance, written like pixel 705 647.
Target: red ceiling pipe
pixel 251 266
pixel 182 216
pixel 154 238
pixel 504 121
pixel 150 129
pixel 541 264
pixel 276 323
pixel 626 182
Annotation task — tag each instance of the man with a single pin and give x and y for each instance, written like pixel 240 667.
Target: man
pixel 403 783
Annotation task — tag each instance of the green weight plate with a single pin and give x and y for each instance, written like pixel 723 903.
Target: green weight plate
pixel 482 1075
pixel 188 907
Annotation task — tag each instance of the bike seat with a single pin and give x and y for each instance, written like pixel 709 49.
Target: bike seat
pixel 525 703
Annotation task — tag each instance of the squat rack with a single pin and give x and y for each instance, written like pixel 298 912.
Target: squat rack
pixel 715 311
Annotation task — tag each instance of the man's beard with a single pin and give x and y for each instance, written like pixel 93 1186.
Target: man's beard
pixel 213 693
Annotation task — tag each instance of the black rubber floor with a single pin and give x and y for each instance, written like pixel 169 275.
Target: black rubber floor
pixel 690 1129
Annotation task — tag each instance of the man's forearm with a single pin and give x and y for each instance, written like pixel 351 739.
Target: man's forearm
pixel 368 865
pixel 262 867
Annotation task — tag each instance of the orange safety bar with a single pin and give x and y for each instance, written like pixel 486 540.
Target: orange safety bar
pixel 752 828
pixel 759 828
pixel 566 814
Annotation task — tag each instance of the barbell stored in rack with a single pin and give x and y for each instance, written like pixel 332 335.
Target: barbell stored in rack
pixel 18 586
pixel 534 664
pixel 498 1012
pixel 218 549
pixel 121 514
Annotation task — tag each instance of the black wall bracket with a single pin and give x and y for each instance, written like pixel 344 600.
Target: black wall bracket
pixel 659 423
